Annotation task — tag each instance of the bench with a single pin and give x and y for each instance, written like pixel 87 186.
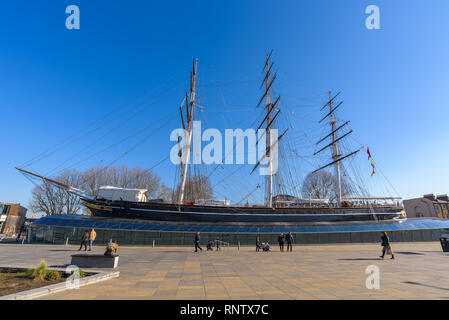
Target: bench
pixel 95 261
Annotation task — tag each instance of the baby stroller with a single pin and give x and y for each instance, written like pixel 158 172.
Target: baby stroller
pixel 210 245
pixel 266 246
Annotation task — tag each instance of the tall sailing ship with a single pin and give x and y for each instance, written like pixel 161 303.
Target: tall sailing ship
pixel 123 203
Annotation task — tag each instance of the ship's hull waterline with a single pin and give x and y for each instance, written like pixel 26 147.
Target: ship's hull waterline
pixel 192 213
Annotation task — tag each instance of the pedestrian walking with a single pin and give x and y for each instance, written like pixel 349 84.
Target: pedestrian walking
pixel 217 243
pixel 258 244
pixel 197 242
pixel 386 247
pixel 84 240
pixel 281 242
pixel 92 237
pixel 290 241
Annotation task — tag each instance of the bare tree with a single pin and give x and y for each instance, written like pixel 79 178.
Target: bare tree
pixel 51 200
pixel 124 177
pixel 197 187
pixel 323 185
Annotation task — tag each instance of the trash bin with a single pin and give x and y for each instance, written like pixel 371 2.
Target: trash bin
pixel 444 243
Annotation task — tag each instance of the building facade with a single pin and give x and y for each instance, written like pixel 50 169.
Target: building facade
pixel 429 206
pixel 12 218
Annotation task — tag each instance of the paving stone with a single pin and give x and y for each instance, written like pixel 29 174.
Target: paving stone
pixel 309 272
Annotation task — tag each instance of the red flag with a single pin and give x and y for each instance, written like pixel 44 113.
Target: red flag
pixel 369 154
pixel 372 162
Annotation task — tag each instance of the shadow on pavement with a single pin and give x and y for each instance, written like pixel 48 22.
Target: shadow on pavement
pixel 408 252
pixel 425 285
pixel 354 259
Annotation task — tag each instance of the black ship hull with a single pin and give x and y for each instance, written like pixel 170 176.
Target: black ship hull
pixel 193 213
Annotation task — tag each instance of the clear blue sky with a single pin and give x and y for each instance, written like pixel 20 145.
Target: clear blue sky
pixel 55 82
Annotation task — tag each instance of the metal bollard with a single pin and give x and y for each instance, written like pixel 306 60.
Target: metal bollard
pixel 239 246
pixel 67 241
pixel 153 243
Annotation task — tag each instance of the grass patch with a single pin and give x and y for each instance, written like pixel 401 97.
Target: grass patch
pixel 13 281
pixel 42 273
pixel 81 273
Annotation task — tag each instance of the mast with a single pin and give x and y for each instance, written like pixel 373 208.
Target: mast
pixel 269 118
pixel 335 154
pixel 269 202
pixel 190 106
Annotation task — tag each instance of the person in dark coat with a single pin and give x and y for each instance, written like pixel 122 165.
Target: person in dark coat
pixel 20 233
pixel 258 244
pixel 84 240
pixel 217 244
pixel 197 242
pixel 281 242
pixel 210 245
pixel 386 247
pixel 290 241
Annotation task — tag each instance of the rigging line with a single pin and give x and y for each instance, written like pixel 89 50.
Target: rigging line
pixel 111 146
pixel 225 84
pixel 227 69
pixel 335 161
pixel 316 93
pixel 226 155
pixel 229 176
pixel 247 196
pixel 136 145
pixel 333 143
pixel 121 124
pixel 137 177
pixel 333 132
pixel 377 165
pixel 64 141
pixel 332 111
pixel 391 185
pixel 148 170
pixel 30 179
pixel 116 144
pixel 226 110
pixel 235 210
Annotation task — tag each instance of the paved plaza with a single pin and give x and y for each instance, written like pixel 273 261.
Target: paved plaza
pixel 420 271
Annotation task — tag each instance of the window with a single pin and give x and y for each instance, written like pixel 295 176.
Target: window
pixel 4 209
pixel 445 211
pixel 418 212
pixel 438 210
